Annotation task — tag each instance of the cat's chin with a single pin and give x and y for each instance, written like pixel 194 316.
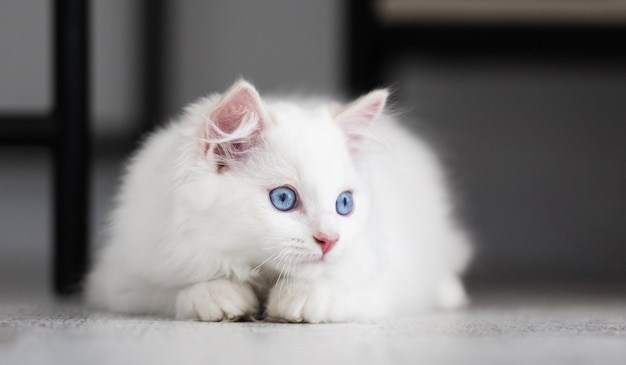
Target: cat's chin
pixel 306 266
pixel 312 261
pixel 316 260
pixel 308 262
pixel 316 264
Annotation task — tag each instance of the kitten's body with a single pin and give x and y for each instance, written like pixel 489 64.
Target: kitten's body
pixel 194 234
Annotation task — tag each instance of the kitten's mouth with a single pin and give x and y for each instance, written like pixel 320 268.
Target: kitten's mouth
pixel 312 260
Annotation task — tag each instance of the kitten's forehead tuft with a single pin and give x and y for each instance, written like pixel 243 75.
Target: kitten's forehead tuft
pixel 310 131
pixel 309 145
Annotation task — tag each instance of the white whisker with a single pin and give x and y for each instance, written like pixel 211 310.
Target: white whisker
pixel 290 278
pixel 265 261
pixel 283 262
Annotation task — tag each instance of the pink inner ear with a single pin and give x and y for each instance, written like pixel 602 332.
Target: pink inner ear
pixel 361 112
pixel 232 126
pixel 241 101
pixel 370 110
pixel 356 118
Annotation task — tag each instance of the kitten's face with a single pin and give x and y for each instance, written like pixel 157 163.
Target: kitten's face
pixel 310 201
pixel 276 184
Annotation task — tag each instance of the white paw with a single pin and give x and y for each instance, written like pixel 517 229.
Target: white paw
pixel 217 300
pixel 305 302
pixel 451 294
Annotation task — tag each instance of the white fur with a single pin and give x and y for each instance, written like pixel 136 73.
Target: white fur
pixel 188 241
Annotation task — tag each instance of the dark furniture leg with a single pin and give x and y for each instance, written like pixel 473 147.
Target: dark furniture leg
pixel 364 51
pixel 71 147
pixel 153 63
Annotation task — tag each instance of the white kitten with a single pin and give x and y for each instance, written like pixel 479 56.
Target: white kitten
pixel 247 206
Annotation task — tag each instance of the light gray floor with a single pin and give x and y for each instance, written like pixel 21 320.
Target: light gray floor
pixel 498 328
pixel 549 325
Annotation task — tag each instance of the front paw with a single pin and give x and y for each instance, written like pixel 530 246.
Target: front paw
pixel 306 302
pixel 217 300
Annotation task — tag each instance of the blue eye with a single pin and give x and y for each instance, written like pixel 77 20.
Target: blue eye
pixel 283 198
pixel 344 203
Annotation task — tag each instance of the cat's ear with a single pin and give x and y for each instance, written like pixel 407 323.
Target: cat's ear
pixel 356 118
pixel 233 125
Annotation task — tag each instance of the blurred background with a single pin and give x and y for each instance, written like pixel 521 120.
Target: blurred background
pixel 524 100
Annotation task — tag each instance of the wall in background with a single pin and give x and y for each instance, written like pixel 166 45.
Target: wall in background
pixel 535 147
pixel 278 44
pixel 116 68
pixel 25 55
pixel 535 144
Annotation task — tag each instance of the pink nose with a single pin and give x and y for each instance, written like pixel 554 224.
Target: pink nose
pixel 326 243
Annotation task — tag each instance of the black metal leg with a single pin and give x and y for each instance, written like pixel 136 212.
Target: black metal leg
pixel 71 150
pixel 364 51
pixel 153 36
